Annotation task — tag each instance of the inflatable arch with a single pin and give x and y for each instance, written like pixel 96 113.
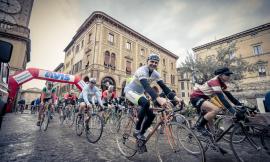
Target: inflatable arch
pixel 22 77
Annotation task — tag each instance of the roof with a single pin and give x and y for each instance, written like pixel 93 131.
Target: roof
pixel 59 67
pixel 251 31
pixel 102 15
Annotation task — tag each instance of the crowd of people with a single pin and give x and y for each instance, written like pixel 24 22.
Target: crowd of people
pixel 137 89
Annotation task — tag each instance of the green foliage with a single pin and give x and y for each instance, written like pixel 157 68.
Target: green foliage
pixel 203 69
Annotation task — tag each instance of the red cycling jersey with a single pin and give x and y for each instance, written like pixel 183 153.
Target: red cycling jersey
pixel 108 95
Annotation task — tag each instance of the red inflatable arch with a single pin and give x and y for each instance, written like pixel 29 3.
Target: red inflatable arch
pixel 22 77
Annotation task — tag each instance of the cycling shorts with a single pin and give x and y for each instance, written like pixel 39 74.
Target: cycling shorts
pixel 133 96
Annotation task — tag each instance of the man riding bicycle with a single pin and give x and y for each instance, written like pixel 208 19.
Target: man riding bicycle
pixel 70 98
pixel 87 96
pixel 109 96
pixel 47 95
pixel 140 83
pixel 215 86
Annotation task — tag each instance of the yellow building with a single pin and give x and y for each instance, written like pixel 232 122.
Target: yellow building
pixel 110 51
pixel 253 45
pixel 30 94
pixel 14 21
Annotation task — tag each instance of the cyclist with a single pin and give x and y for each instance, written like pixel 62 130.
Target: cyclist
pixel 87 97
pixel 70 98
pixel 47 95
pixel 215 86
pixel 21 104
pixel 109 95
pixel 140 83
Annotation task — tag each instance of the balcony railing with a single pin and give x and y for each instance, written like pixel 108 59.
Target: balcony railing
pixel 14 29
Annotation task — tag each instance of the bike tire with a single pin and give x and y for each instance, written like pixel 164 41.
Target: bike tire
pixel 126 143
pixel 252 146
pixel 94 133
pixel 178 142
pixel 79 124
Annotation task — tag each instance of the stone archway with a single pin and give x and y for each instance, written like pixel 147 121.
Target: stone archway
pixel 107 80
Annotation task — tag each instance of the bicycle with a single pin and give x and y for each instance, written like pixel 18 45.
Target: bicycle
pixel 167 144
pixel 93 126
pixel 242 133
pixel 110 115
pixel 45 116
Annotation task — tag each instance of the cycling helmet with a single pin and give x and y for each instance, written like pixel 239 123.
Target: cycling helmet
pixel 223 70
pixel 92 80
pixel 153 57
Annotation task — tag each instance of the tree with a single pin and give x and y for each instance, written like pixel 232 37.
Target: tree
pixel 203 69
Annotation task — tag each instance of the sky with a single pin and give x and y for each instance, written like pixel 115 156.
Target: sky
pixel 177 25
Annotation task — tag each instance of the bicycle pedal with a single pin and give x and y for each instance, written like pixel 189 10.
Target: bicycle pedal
pixel 142 149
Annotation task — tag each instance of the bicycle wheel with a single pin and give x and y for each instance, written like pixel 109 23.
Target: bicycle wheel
pixel 61 117
pixel 221 124
pixel 46 120
pixel 178 143
pixel 79 124
pixel 181 119
pixel 252 146
pixel 127 144
pixel 113 120
pixel 94 128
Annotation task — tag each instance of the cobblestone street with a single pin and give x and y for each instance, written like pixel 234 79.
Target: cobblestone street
pixel 21 140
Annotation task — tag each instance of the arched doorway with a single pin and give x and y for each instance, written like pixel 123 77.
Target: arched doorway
pixel 107 81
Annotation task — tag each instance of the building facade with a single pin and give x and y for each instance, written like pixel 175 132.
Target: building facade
pixel 14 21
pixel 30 94
pixel 110 51
pixel 253 46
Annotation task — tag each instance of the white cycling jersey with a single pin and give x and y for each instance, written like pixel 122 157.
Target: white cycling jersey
pixel 89 93
pixel 142 73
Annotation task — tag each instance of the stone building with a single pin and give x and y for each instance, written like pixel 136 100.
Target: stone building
pixel 30 94
pixel 253 46
pixel 14 21
pixel 110 51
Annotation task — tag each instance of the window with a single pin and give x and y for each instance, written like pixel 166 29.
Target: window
pixel 77 48
pixel 142 51
pixel 172 79
pixel 128 45
pixel 89 37
pixel 231 55
pixel 68 53
pixel 183 94
pixel 164 76
pixel 113 61
pixel 257 49
pixel 172 65
pixel 111 38
pixel 188 85
pixel 141 64
pixel 107 59
pixel 128 67
pixel 262 70
pixel 164 61
pixel 182 85
pixel 82 44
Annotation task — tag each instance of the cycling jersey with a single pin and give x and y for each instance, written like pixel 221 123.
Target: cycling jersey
pixel 48 93
pixel 108 96
pixel 211 87
pixel 142 73
pixel 89 93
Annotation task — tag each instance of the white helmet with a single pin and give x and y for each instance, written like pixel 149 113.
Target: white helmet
pixel 92 80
